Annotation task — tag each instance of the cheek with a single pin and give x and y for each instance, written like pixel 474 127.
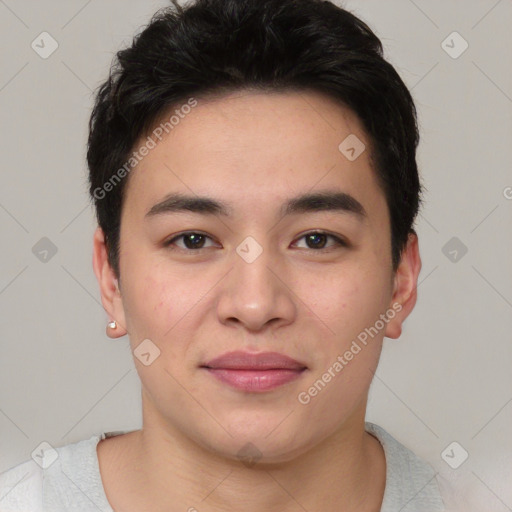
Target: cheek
pixel 157 312
pixel 165 304
pixel 346 300
pixel 347 356
pixel 332 395
pixel 150 304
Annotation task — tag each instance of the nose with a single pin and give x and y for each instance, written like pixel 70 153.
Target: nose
pixel 256 293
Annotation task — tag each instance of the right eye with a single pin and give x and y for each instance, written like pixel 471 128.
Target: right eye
pixel 193 241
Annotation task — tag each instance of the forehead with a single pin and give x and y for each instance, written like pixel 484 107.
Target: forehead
pixel 262 147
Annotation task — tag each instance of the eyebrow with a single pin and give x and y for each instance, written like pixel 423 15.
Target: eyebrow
pixel 324 200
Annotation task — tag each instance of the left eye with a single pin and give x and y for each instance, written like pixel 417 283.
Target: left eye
pixel 195 241
pixel 318 240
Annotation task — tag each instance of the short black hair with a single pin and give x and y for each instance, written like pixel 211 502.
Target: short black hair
pixel 214 47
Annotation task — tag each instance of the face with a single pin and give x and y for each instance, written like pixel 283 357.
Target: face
pixel 310 280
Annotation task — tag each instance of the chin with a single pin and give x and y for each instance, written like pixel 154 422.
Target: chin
pixel 261 443
pixel 259 452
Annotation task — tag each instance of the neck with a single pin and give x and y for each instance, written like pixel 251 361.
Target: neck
pixel 343 473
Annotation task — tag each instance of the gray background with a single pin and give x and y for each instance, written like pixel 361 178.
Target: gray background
pixel 446 379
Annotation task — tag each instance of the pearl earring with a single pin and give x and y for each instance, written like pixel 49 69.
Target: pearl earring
pixel 113 324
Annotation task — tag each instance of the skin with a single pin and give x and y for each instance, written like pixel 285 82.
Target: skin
pixel 254 151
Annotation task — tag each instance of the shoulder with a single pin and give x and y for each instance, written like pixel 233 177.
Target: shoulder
pixel 21 488
pixel 32 486
pixel 411 483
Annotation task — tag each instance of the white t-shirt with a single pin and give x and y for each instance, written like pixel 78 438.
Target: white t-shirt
pixel 73 481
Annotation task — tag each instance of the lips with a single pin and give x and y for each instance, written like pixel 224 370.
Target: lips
pixel 255 373
pixel 239 360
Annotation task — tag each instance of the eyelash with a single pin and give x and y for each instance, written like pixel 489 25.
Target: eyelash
pixel 339 241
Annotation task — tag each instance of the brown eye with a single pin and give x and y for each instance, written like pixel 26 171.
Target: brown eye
pixel 317 240
pixel 191 240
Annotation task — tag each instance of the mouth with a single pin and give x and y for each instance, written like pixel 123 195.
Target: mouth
pixel 254 372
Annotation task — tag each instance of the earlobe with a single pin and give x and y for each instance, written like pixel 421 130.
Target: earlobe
pixel 405 286
pixel 109 285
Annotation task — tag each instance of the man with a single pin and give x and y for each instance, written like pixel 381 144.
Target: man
pixel 252 165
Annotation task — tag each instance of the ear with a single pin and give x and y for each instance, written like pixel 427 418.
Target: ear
pixel 109 286
pixel 405 286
